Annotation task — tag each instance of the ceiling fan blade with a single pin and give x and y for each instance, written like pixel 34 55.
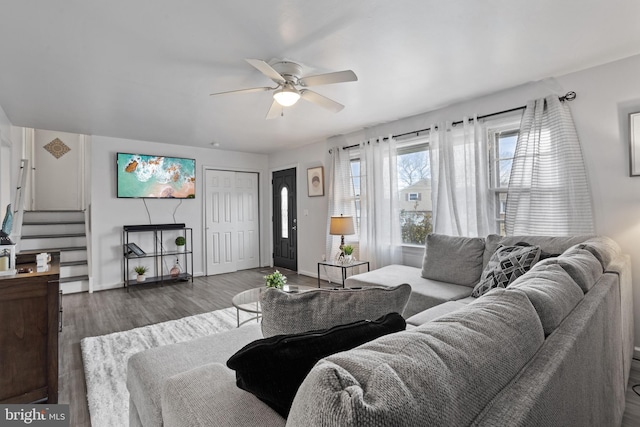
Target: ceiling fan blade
pixel 266 69
pixel 253 89
pixel 274 111
pixel 329 78
pixel 323 101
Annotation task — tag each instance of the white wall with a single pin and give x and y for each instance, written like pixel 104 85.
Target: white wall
pixel 11 153
pixel 58 182
pixel 109 214
pixel 606 95
pixel 5 162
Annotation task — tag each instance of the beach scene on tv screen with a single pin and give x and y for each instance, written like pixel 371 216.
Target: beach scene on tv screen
pixel 155 176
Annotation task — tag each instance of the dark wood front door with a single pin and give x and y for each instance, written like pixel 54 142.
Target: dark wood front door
pixel 285 238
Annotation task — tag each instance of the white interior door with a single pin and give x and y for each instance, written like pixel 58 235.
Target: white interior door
pixel 247 224
pixel 231 209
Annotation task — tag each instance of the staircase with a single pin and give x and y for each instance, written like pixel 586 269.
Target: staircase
pixel 63 231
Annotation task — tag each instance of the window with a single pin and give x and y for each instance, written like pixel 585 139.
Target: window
pixel 414 190
pixel 414 187
pixel 284 212
pixel 503 137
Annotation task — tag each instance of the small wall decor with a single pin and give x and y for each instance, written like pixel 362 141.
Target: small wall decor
pixel 57 148
pixel 315 181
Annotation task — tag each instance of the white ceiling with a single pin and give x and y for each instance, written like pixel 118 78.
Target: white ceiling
pixel 143 69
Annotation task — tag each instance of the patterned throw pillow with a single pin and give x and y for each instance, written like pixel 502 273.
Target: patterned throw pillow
pixel 506 264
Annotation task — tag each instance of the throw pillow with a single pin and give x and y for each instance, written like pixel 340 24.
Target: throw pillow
pixel 543 255
pixel 273 368
pixel 285 313
pixel 506 265
pixel 453 259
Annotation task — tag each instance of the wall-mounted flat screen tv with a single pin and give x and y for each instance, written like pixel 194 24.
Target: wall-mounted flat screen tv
pixel 161 177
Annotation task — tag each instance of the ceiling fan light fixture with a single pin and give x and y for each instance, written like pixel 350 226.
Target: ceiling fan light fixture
pixel 287 95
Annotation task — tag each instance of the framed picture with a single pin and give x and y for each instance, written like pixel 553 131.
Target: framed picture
pixel 315 181
pixel 135 249
pixel 634 137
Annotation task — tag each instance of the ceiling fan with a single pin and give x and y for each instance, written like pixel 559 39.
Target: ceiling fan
pixel 291 86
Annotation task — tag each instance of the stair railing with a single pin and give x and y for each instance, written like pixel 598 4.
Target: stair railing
pixel 87 230
pixel 18 205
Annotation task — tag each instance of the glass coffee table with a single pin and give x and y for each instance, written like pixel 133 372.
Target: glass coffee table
pixel 249 301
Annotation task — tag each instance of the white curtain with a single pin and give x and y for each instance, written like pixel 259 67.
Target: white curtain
pixel 459 180
pixel 341 196
pixel 380 239
pixel 548 190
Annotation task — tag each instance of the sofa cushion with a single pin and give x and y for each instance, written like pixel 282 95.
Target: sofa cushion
pixel 285 313
pixel 548 244
pixel 453 259
pixel 603 248
pixel 273 368
pixel 552 292
pixel 425 293
pixel 421 376
pixel 583 267
pixel 435 312
pixel 208 396
pixel 506 265
pixel 148 370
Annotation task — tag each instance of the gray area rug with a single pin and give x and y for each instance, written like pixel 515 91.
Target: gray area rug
pixel 105 359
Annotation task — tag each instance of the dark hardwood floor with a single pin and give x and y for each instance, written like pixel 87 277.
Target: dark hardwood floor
pixel 87 315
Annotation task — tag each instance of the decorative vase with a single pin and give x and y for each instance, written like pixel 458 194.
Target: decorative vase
pixel 176 270
pixel 181 248
pixel 141 278
pixel 348 259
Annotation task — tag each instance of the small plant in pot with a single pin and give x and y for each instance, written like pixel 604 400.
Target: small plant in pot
pixel 180 243
pixel 275 280
pixel 348 253
pixel 141 270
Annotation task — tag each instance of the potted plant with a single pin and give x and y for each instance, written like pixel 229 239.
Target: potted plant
pixel 180 243
pixel 275 280
pixel 348 253
pixel 141 270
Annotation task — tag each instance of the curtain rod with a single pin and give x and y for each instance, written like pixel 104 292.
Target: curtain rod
pixel 569 96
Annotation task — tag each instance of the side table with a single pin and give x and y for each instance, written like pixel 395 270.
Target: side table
pixel 343 266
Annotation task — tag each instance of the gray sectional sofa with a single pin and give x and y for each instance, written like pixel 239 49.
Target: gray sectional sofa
pixel 553 348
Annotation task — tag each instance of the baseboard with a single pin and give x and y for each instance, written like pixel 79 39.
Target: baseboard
pixel 636 353
pixel 107 287
pixel 309 274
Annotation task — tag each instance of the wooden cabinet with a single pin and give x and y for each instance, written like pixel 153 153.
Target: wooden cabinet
pixel 29 315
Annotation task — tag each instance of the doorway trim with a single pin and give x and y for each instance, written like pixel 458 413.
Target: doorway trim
pixel 261 238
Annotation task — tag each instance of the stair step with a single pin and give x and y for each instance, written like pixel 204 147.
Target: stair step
pixel 52 222
pixel 50 216
pixel 73 263
pixel 69 249
pixel 73 279
pixel 54 210
pixel 52 236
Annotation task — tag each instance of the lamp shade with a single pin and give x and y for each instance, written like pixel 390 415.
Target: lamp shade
pixel 341 226
pixel 287 96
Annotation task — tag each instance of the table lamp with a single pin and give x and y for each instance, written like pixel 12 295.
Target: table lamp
pixel 341 226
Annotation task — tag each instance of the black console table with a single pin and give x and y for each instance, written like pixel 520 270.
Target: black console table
pixel 157 252
pixel 342 265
